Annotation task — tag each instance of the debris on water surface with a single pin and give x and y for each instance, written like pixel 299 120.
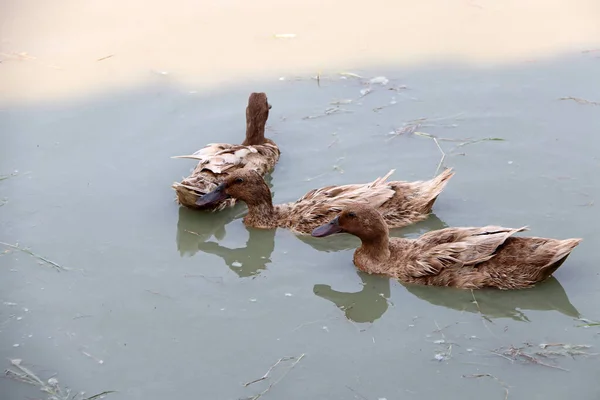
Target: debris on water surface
pixel 364 92
pixel 328 111
pixel 12 174
pixel 564 349
pixel 236 264
pixel 350 75
pixel 288 295
pixel 20 373
pixel 253 300
pixel 268 373
pixel 31 253
pixel 588 323
pixel 548 351
pixel 92 357
pixel 579 100
pixel 381 80
pixel 340 102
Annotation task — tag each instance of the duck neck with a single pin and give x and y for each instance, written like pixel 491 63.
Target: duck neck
pixel 261 213
pixel 376 247
pixel 255 129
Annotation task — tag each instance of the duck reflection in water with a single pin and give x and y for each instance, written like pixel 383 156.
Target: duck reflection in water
pixel 493 303
pixel 366 305
pixel 196 227
pixel 247 261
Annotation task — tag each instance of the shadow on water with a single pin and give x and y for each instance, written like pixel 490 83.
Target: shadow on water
pixel 546 296
pixel 371 302
pixel 366 305
pixel 347 242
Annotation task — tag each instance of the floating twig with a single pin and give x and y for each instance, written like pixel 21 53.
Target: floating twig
pixel 328 111
pixel 468 142
pixel 448 353
pixel 99 395
pixel 31 253
pixel 517 353
pixel 579 100
pixel 435 140
pixel 11 175
pixel 350 75
pixel 587 323
pixel 266 375
pixel 105 58
pixel 51 387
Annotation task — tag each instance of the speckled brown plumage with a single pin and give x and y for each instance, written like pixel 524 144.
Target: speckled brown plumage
pixel 219 160
pixel 401 203
pixel 467 258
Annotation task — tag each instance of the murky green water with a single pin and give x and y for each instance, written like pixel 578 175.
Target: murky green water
pixel 161 302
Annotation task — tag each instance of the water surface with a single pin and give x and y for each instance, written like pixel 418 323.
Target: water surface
pixel 181 304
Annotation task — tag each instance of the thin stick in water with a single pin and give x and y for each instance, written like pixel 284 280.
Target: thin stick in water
pixel 266 375
pixel 31 253
pixel 256 397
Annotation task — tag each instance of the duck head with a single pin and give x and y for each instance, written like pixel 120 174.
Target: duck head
pixel 359 220
pixel 244 184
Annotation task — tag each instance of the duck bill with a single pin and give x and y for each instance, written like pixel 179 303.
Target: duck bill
pixel 329 228
pixel 213 197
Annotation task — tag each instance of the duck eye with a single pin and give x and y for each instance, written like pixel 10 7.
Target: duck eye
pixel 239 180
pixel 351 214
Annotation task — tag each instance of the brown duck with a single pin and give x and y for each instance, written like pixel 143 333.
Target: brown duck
pixel 218 160
pixel 401 203
pixel 466 258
